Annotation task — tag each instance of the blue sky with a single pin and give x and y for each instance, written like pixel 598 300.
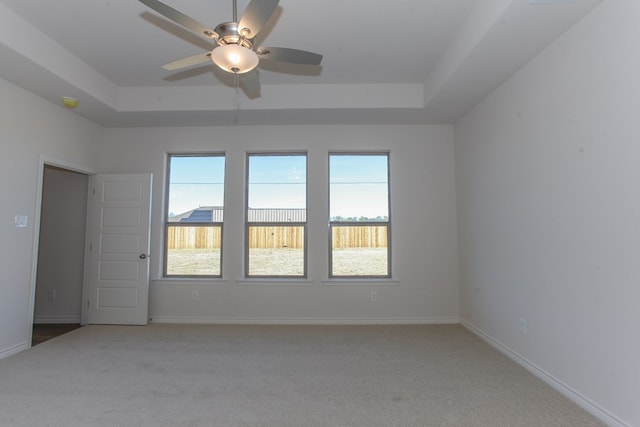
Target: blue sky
pixel 277 181
pixel 195 182
pixel 358 184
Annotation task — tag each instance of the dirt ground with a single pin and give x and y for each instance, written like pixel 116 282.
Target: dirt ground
pixel 278 262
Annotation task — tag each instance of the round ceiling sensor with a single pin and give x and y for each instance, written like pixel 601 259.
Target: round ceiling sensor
pixel 69 102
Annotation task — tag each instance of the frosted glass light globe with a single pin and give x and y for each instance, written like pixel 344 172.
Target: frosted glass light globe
pixel 234 58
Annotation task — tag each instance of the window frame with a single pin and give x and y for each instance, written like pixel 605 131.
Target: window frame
pixel 168 224
pixel 387 223
pixel 248 225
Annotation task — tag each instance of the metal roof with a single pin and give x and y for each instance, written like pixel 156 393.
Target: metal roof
pixel 208 214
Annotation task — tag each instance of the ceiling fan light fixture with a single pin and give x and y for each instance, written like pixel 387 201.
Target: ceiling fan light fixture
pixel 234 58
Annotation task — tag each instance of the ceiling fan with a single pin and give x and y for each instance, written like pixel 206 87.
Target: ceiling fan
pixel 235 52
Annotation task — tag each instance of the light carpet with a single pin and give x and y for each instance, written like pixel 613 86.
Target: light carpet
pixel 275 376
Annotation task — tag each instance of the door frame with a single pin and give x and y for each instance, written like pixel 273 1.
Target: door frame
pixel 42 162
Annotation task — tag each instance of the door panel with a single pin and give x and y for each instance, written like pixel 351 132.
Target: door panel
pixel 117 289
pixel 117 298
pixel 117 271
pixel 121 243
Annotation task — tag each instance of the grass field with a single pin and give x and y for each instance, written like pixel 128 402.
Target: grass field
pixel 278 262
pixel 360 262
pixel 193 262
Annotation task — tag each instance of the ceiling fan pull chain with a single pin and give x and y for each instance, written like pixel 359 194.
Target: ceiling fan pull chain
pixel 236 100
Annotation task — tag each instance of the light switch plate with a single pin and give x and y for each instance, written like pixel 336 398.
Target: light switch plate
pixel 21 221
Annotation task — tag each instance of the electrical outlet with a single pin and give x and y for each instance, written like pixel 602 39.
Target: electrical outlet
pixel 373 296
pixel 523 326
pixel 194 296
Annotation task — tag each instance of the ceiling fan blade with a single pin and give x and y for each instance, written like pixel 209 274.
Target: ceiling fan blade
pixel 188 61
pixel 250 84
pixel 255 16
pixel 180 18
pixel 294 56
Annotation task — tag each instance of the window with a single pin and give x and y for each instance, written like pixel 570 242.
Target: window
pixel 194 215
pixel 276 215
pixel 359 215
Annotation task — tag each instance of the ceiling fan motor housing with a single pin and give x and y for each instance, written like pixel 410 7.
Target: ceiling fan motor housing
pixel 228 34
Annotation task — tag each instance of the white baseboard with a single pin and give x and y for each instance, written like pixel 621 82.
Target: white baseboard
pixel 308 320
pixel 585 403
pixel 56 319
pixel 13 350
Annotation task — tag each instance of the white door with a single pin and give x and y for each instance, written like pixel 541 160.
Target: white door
pixel 117 272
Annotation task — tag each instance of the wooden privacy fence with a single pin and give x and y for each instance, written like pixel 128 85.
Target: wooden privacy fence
pixel 369 236
pixel 273 237
pixel 259 237
pixel 194 237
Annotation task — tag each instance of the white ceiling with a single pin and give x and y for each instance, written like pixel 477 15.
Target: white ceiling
pixel 401 61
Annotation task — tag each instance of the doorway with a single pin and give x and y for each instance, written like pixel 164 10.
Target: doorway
pixel 61 243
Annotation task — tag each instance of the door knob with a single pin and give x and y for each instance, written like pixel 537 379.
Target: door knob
pixel 144 256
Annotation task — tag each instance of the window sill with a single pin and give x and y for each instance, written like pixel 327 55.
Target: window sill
pixel 189 281
pixel 387 281
pixel 258 281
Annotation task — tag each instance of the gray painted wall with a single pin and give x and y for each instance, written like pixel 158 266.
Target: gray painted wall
pixel 425 285
pixel 61 246
pixel 548 168
pixel 32 131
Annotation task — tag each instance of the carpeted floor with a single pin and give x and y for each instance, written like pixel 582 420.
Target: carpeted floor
pixel 275 376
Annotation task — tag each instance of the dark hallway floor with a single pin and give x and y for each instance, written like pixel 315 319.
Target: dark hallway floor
pixel 45 331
